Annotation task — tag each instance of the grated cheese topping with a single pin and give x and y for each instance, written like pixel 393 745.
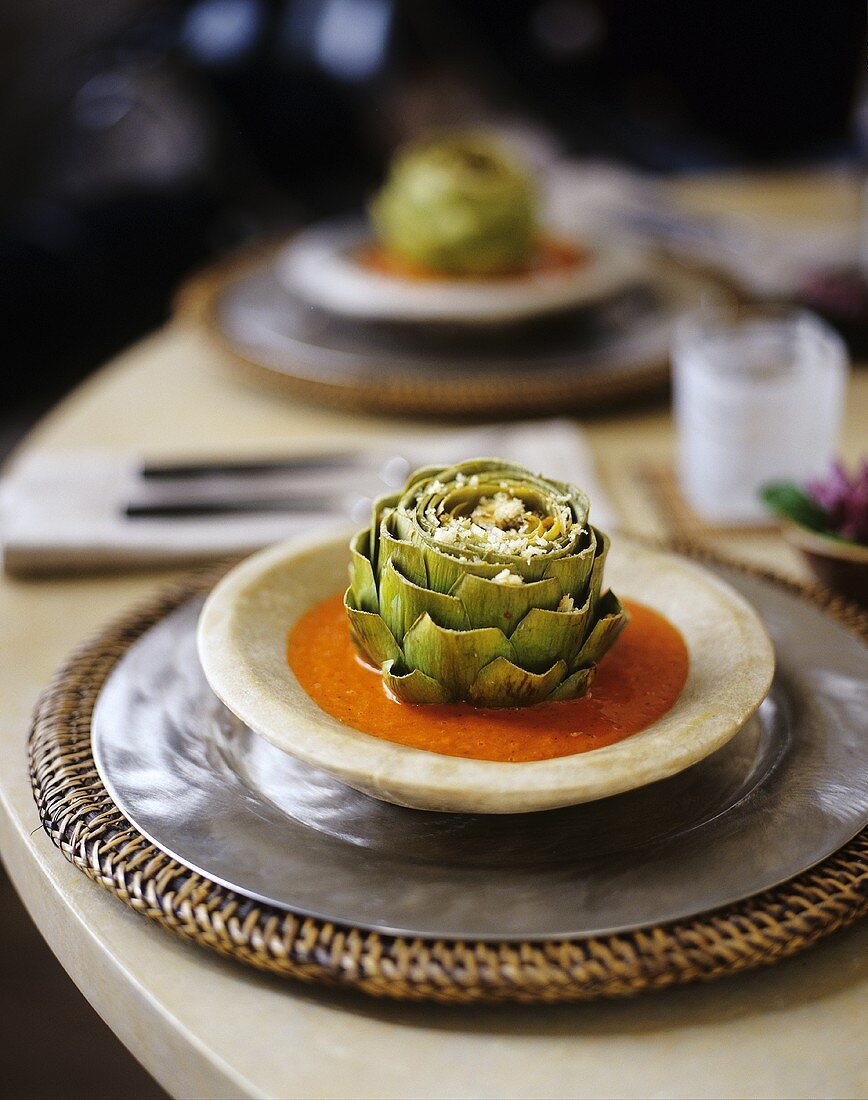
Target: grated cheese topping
pixel 502 523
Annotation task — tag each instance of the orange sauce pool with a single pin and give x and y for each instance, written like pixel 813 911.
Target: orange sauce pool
pixel 550 255
pixel 637 681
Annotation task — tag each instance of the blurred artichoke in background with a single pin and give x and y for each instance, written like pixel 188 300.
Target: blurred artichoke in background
pixel 482 582
pixel 460 206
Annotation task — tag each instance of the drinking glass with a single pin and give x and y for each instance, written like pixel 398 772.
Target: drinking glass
pixel 759 395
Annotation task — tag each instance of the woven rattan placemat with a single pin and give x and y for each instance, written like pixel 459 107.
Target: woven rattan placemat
pixel 661 483
pixel 82 820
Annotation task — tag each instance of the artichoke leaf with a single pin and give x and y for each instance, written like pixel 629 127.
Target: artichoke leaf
pixel 611 621
pixel 408 559
pixel 380 511
pixel 491 603
pixel 362 573
pixel 453 658
pixel 595 584
pixel 445 570
pixel 504 684
pixel 572 571
pixel 370 633
pixel 400 526
pixel 575 685
pixel 421 478
pixel 543 637
pixel 508 474
pixel 402 602
pixel 413 686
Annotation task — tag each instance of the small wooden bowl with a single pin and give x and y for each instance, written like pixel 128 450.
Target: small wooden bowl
pixel 841 566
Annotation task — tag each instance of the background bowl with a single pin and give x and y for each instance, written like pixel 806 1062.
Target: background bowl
pixel 841 566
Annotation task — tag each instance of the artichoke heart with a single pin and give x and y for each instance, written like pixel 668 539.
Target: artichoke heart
pixel 482 583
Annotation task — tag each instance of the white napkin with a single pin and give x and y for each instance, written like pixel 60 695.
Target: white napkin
pixel 64 511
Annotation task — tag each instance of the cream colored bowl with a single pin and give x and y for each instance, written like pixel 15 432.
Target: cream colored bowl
pixel 242 639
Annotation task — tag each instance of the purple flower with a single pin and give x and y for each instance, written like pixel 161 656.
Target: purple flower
pixel 845 500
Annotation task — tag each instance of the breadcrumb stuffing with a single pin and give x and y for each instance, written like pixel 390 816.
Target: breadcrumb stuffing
pixel 501 522
pixel 502 511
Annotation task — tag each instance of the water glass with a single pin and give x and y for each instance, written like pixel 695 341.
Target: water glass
pixel 759 396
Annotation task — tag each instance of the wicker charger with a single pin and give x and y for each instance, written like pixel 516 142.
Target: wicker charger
pixel 82 820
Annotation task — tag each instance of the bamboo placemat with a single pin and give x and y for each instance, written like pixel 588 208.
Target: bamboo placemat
pixel 89 829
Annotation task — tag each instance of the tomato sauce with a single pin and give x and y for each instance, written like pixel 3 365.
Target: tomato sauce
pixel 637 682
pixel 550 255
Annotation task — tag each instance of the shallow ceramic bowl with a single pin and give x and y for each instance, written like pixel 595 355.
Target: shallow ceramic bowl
pixel 841 566
pixel 320 266
pixel 242 640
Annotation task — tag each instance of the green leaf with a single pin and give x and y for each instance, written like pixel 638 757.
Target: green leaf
pixel 402 602
pixel 453 658
pixel 362 573
pixel 488 603
pixel 414 686
pixel 576 685
pixel 382 506
pixel 612 618
pixel 369 633
pixel 791 502
pixel 595 583
pixel 420 478
pixel 573 570
pixel 503 684
pixel 444 570
pixel 543 637
pixel 407 558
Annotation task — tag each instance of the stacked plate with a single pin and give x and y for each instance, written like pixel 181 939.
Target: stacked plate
pixel 314 316
pixel 713 803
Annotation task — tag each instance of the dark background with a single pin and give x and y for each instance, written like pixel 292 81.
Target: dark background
pixel 139 140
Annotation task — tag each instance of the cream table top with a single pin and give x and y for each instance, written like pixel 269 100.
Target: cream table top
pixel 204 1027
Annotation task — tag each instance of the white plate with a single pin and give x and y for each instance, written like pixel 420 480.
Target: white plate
pixel 320 266
pixel 242 646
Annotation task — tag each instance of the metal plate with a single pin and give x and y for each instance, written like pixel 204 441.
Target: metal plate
pixel 788 791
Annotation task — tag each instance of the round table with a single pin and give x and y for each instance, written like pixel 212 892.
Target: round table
pixel 204 1027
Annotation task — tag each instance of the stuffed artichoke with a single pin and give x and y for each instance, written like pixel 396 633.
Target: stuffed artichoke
pixel 461 206
pixel 482 583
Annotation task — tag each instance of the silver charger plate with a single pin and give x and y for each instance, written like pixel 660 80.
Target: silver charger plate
pixel 789 790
